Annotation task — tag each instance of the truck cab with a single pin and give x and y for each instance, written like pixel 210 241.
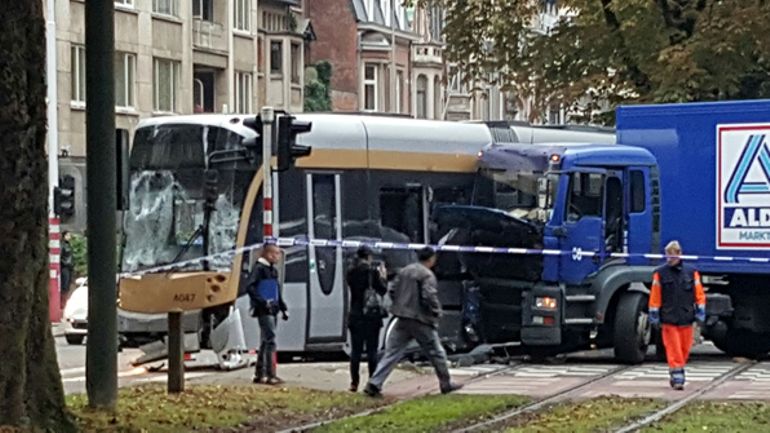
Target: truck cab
pixel 566 216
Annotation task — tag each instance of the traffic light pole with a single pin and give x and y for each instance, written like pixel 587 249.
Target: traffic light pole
pixel 102 350
pixel 268 119
pixel 54 231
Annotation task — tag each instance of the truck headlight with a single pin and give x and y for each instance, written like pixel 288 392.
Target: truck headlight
pixel 546 303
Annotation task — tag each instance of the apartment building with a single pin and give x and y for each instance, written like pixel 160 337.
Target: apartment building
pixel 180 57
pixel 364 40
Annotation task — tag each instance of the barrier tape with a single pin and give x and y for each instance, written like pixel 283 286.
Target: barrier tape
pixel 576 254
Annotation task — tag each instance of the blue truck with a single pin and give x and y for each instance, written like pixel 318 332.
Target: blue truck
pixel 590 223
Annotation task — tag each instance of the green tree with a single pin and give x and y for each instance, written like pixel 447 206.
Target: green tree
pixel 615 51
pixel 31 393
pixel 317 87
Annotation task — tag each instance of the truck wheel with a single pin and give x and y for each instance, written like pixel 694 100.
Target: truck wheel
pixel 632 329
pixel 740 342
pixel 74 339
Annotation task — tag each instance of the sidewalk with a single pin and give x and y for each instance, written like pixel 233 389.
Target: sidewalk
pixel 325 376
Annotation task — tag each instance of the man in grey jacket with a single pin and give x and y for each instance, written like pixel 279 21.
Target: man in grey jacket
pixel 417 310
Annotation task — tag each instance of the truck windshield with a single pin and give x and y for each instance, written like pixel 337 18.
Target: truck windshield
pixel 524 195
pixel 167 197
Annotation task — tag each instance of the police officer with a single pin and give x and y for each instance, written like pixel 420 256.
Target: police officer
pixel 676 301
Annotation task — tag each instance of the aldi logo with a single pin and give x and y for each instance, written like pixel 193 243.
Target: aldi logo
pixel 743 179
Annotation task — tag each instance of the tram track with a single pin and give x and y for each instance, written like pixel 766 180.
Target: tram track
pixel 540 403
pixel 314 425
pixel 680 403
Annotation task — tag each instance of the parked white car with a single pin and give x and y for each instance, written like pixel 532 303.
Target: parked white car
pixel 75 316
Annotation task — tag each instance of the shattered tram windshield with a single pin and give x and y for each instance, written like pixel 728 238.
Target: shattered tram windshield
pixel 166 210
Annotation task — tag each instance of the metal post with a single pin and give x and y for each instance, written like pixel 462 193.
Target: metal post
pixel 54 291
pixel 101 352
pixel 393 56
pixel 268 119
pixel 175 352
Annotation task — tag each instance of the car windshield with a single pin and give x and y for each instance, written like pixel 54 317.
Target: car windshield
pixel 164 223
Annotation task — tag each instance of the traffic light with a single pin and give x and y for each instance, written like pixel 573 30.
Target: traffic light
pixel 211 188
pixel 64 197
pixel 288 150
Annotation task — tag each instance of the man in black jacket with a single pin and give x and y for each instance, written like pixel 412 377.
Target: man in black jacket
pixel 264 292
pixel 364 321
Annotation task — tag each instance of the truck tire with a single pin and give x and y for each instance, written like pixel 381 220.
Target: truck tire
pixel 743 343
pixel 74 339
pixel 632 329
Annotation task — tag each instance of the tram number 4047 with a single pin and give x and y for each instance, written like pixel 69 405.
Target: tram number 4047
pixel 184 297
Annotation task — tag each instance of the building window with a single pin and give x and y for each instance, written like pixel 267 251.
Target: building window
pixel 422 97
pixel 370 4
pixel 438 106
pixel 166 84
pixel 399 89
pixel 276 57
pixel 203 9
pixel 165 7
pixel 456 84
pixel 129 3
pixel 242 16
pixel 296 63
pixel 370 87
pixel 78 80
pixel 243 92
pixel 125 71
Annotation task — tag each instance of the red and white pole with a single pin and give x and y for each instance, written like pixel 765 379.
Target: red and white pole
pixel 54 230
pixel 54 248
pixel 268 121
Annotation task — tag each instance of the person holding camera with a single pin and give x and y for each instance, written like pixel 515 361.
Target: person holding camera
pixel 266 302
pixel 417 310
pixel 677 299
pixel 367 283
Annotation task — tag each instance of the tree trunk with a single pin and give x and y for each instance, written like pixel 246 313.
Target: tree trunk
pixel 31 392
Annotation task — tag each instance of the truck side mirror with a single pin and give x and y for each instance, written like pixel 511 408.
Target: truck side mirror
pixel 123 181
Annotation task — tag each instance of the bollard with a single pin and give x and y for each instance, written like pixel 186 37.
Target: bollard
pixel 175 352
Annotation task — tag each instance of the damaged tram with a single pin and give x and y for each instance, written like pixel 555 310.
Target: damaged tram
pixel 378 178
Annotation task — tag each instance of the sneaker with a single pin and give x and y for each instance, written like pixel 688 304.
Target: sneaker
pixel 372 391
pixel 452 387
pixel 274 381
pixel 678 386
pixel 257 379
pixel 353 387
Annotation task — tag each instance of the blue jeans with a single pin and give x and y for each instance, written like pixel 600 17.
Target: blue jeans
pixel 267 347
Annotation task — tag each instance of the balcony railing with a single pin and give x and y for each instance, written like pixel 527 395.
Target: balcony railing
pixel 208 34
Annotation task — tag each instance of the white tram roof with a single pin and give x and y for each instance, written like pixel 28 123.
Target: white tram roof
pixel 396 133
pixel 351 132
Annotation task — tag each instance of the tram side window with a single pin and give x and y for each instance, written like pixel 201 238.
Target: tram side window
pixel 324 207
pixel 401 209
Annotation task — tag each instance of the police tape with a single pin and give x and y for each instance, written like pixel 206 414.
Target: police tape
pixel 576 253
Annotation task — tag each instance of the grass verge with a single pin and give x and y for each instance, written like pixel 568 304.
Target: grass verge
pixel 210 408
pixel 596 415
pixel 428 414
pixel 710 416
